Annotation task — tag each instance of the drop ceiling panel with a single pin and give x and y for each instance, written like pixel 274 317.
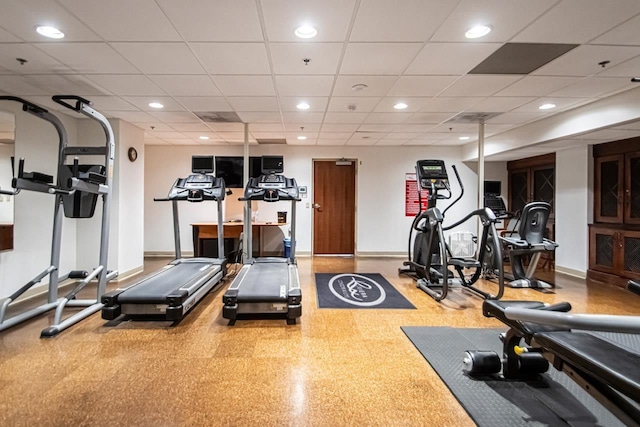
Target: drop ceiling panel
pixel 337 142
pixel 304 85
pixel 127 84
pixel 254 103
pixel 267 135
pixel 232 58
pixel 64 83
pixel 287 58
pixel 160 58
pixel 450 104
pixel 594 87
pixel 226 127
pixel 37 61
pixel 304 118
pixel 189 127
pixel 428 118
pixel 330 17
pixel 186 85
pixel 413 128
pixel 21 17
pixel 626 69
pixel 234 136
pixel 333 117
pixel 198 20
pixel 335 135
pixel 376 85
pixel 92 58
pixel 537 86
pixel 500 104
pixel 134 116
pixel 159 126
pixel 515 118
pixel 266 127
pixel 260 117
pixel 112 103
pixel 387 117
pixel 410 20
pixel 365 58
pixel 477 85
pixel 507 18
pixel 120 20
pixel 177 117
pixel 142 103
pixel 421 85
pixel 195 135
pixel 584 60
pixel 413 104
pixel 316 103
pixel 588 19
pixel 295 126
pixel 7 37
pixel 245 85
pixel 450 58
pixel 204 103
pixel 363 104
pixel 342 127
pixel 405 136
pixel 624 34
pixel 561 104
pixel 371 127
pixel 391 142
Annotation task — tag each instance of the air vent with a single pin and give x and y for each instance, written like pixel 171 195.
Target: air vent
pixel 521 58
pixel 218 116
pixel 271 141
pixel 472 117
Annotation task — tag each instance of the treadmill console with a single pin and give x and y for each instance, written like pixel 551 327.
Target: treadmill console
pixel 432 174
pixel 271 188
pixel 198 187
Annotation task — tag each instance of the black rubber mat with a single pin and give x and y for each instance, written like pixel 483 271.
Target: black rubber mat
pixel 555 400
pixel 358 290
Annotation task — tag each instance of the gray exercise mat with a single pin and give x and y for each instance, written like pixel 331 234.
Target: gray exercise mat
pixel 555 400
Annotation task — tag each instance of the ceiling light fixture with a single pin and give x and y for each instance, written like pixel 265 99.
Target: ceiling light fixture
pixel 463 138
pixel 303 106
pixel 203 137
pixel 48 31
pixel 477 32
pixel 302 137
pixel 400 106
pixel 547 106
pixel 155 105
pixel 306 32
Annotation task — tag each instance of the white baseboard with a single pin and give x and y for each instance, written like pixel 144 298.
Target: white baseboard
pixel 571 272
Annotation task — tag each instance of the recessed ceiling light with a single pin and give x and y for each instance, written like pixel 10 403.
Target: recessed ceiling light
pixel 51 32
pixel 359 87
pixel 463 138
pixel 302 137
pixel 477 32
pixel 203 137
pixel 155 105
pixel 303 106
pixel 306 32
pixel 547 106
pixel 400 106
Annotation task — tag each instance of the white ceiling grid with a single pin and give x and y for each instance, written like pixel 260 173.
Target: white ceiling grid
pixel 242 56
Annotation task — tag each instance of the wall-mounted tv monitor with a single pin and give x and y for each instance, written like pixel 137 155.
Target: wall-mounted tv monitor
pixel 202 164
pixel 493 188
pixel 231 168
pixel 272 164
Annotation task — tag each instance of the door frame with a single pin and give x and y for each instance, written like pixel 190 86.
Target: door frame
pixel 355 161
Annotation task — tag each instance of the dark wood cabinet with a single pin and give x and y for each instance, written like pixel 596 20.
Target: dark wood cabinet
pixel 614 238
pixel 531 179
pixel 6 237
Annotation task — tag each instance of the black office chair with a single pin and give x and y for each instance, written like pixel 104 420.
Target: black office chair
pixel 529 242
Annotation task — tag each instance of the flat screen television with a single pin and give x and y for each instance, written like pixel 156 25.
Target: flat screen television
pixel 231 169
pixel 493 188
pixel 202 164
pixel 272 164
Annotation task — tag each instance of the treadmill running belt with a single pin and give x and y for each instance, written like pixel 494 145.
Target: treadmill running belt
pixel 158 287
pixel 265 282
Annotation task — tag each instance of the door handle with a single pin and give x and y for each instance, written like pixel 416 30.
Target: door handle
pixel 317 206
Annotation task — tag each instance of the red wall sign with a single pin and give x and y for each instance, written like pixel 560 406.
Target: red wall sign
pixel 411 206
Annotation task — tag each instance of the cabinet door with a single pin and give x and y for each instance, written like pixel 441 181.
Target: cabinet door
pixel 608 194
pixel 632 188
pixel 602 247
pixel 629 245
pixel 543 185
pixel 518 189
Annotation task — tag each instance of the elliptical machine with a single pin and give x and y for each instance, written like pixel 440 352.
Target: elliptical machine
pixel 431 258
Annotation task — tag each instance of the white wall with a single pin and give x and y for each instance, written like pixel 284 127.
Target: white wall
pixel 6 201
pixel 37 142
pixel 381 224
pixel 574 201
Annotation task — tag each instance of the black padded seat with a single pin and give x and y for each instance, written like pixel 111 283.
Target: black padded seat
pixel 610 364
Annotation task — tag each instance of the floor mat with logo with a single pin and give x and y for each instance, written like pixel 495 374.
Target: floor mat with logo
pixel 358 290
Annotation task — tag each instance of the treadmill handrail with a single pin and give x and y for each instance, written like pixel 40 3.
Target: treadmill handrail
pixel 591 322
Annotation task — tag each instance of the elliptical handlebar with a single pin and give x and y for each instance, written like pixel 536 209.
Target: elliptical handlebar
pixel 60 99
pixel 455 170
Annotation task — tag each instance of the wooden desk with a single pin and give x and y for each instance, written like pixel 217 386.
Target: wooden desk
pixel 231 230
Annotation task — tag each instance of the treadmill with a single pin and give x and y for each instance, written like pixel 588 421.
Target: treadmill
pixel 171 292
pixel 268 286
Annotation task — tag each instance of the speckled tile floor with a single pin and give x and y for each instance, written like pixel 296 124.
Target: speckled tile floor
pixel 335 367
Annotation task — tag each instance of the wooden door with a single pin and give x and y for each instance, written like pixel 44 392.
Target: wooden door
pixel 334 207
